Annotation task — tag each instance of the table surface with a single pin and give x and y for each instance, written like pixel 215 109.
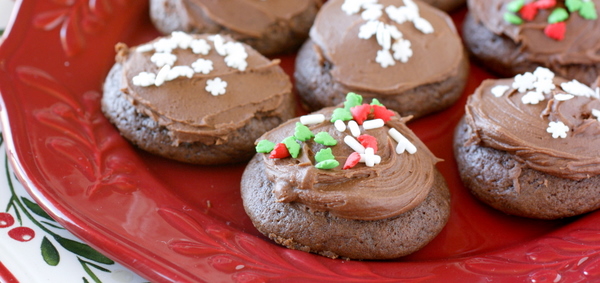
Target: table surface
pixel 33 247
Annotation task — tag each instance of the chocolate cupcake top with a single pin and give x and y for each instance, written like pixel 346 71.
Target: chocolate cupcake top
pixel 550 124
pixel 547 31
pixel 357 161
pixel 386 46
pixel 249 17
pixel 201 87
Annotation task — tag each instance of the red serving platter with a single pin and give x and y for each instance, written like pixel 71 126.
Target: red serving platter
pixel 174 222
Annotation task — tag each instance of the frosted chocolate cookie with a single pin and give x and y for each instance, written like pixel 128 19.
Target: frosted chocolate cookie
pixel 200 99
pixel 269 26
pixel 510 37
pixel 407 54
pixel 446 5
pixel 351 182
pixel 528 145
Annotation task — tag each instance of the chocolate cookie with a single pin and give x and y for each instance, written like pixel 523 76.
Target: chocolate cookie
pixel 360 192
pixel 407 54
pixel 528 146
pixel 199 99
pixel 271 27
pixel 446 5
pixel 513 37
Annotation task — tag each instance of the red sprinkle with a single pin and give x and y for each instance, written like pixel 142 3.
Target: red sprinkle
pixel 368 141
pixel 280 151
pixel 529 11
pixel 352 160
pixel 360 113
pixel 556 31
pixel 545 4
pixel 381 112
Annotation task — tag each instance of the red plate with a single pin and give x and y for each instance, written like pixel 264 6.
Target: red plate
pixel 170 221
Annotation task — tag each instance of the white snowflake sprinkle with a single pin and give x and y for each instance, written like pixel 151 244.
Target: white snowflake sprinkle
pixel 402 50
pixel 145 48
pixel 576 88
pixel 384 38
pixel 499 90
pixel 144 79
pixel 179 71
pixel 596 114
pixel 203 66
pixel 532 97
pixel 384 58
pixel 182 39
pixel 563 96
pixel 544 86
pixel 399 14
pixel 216 86
pixel 161 59
pixel 219 44
pixel 524 82
pixel 368 29
pixel 557 129
pixel 372 12
pixel 423 25
pixel 164 45
pixel 353 6
pixel 542 73
pixel 200 46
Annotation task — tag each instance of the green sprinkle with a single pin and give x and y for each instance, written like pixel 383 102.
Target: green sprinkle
pixel 558 15
pixel 376 102
pixel 324 154
pixel 512 18
pixel 302 132
pixel 588 11
pixel 515 6
pixel 573 5
pixel 292 146
pixel 341 114
pixel 325 139
pixel 352 99
pixel 265 146
pixel 327 164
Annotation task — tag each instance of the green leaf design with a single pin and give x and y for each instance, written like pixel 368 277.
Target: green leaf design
pixel 302 132
pixel 292 146
pixel 588 11
pixel 352 99
pixel 558 15
pixel 83 250
pixel 49 252
pixel 265 146
pixel 35 208
pixel 89 272
pixel 341 114
pixel 512 18
pixel 325 138
pixel 515 6
pixel 573 5
pixel 324 154
pixel 327 164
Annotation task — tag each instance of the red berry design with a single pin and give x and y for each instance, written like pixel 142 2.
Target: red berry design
pixel 368 141
pixel 6 220
pixel 545 4
pixel 280 151
pixel 352 160
pixel 380 112
pixel 529 11
pixel 360 113
pixel 22 234
pixel 556 31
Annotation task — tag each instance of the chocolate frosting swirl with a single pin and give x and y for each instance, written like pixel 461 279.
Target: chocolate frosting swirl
pixel 192 114
pixel 249 17
pixel 581 44
pixel 506 124
pixel 396 185
pixel 436 56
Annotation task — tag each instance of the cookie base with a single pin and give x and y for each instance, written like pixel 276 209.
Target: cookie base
pixel 297 226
